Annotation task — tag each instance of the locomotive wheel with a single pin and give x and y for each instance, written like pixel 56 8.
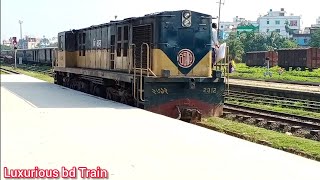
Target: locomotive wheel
pixel 123 100
pixel 108 93
pixel 66 81
pixel 98 91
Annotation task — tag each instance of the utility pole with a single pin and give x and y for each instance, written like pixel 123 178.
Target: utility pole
pixel 14 42
pixel 219 17
pixel 20 22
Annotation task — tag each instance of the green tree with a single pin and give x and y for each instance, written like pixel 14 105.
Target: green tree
pixel 250 41
pixel 274 40
pixel 315 39
pixel 236 50
pixel 247 39
pixel 253 42
pixel 287 43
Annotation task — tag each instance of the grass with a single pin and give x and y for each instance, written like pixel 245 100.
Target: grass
pixel 297 145
pixel 243 71
pixel 38 75
pixel 299 112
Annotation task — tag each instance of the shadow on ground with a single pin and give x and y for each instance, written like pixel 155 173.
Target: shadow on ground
pixel 46 95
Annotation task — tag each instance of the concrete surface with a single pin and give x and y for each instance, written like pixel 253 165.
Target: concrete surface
pixel 49 126
pixel 274 85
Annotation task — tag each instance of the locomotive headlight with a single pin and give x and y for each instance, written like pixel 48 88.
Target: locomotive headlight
pixel 186 19
pixel 186 15
pixel 186 23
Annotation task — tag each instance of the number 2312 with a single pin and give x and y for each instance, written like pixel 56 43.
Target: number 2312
pixel 209 90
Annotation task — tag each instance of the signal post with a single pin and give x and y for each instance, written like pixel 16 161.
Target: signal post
pixel 15 51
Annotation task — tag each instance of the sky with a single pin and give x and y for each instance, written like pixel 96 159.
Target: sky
pixel 48 17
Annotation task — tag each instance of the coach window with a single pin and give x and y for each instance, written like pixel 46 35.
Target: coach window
pixel 126 40
pixel 126 33
pixel 119 33
pixel 50 54
pixel 119 49
pixel 80 43
pixel 119 41
pixel 112 51
pixel 84 44
pixel 61 42
pixel 45 55
pixel 125 49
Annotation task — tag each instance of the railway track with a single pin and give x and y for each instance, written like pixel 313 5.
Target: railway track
pixel 304 126
pixel 312 106
pixel 304 121
pixel 282 81
pixel 9 71
pixel 35 68
pixel 39 69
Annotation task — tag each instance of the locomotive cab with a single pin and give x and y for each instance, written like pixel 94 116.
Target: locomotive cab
pixel 180 83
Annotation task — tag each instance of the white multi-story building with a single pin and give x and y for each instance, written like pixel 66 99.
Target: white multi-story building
pixel 226 27
pixel 231 25
pixel 7 42
pixel 317 23
pixel 28 43
pixel 276 21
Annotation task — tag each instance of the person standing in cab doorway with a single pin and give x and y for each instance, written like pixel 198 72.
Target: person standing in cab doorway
pixel 214 42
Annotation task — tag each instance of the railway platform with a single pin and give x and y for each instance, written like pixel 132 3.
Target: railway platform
pixel 56 128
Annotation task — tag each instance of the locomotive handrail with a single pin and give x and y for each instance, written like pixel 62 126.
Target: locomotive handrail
pixel 150 71
pixel 131 57
pixel 141 69
pixel 134 73
pixel 148 56
pixel 228 61
pixel 224 66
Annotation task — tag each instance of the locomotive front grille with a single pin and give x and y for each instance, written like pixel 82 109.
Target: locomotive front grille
pixel 142 34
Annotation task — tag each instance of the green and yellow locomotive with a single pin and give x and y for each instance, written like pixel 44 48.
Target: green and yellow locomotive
pixel 160 62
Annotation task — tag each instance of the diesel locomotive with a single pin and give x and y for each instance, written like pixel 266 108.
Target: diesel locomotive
pixel 160 62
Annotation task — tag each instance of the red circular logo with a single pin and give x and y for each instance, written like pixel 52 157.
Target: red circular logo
pixel 185 58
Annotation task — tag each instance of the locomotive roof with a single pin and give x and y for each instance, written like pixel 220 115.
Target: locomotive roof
pixel 133 18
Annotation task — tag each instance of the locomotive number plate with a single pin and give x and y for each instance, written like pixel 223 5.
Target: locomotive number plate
pixel 209 90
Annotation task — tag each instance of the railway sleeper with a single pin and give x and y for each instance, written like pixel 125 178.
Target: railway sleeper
pixel 259 120
pixel 295 128
pixel 278 103
pixel 226 114
pixel 269 123
pixel 282 126
pixel 315 132
pixel 239 117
